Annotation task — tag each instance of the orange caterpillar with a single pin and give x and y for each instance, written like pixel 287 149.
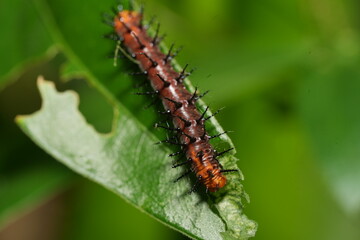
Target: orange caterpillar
pixel 178 102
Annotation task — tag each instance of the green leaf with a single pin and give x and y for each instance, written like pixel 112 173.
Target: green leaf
pixel 24 39
pixel 128 163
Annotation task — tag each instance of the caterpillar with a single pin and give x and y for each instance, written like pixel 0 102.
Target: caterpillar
pixel 178 102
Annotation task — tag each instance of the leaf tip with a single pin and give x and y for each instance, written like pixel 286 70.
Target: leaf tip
pixel 42 84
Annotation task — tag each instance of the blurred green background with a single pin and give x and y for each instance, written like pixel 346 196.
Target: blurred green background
pixel 287 72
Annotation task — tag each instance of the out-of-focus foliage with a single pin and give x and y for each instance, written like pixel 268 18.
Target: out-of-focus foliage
pixel 24 39
pixel 287 72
